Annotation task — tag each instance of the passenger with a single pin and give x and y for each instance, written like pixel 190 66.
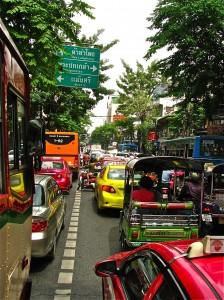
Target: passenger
pixel 191 189
pixel 146 193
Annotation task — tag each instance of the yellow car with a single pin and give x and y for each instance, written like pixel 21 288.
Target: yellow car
pixel 109 188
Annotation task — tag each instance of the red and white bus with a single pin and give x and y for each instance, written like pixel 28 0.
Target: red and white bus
pixel 16 171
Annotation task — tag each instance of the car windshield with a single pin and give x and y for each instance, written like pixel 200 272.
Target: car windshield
pixel 116 174
pixel 52 165
pixel 38 197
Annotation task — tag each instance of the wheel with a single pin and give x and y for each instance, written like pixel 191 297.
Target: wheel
pixel 63 222
pixel 123 243
pixel 99 208
pixel 52 252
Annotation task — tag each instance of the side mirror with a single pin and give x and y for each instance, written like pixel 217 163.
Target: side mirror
pixel 106 268
pixel 36 142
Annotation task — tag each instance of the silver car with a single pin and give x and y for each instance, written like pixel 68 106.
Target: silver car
pixel 48 216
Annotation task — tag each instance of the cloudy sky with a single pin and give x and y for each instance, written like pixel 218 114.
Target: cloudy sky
pixel 124 20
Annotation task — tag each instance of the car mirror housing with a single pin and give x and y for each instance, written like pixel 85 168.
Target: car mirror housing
pixel 106 268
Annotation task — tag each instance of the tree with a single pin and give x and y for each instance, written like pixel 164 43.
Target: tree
pixel 136 97
pixel 193 32
pixel 40 29
pixel 104 135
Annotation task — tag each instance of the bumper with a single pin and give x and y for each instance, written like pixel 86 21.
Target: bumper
pixel 109 201
pixel 41 244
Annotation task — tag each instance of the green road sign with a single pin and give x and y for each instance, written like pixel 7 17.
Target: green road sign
pixel 75 80
pixel 78 67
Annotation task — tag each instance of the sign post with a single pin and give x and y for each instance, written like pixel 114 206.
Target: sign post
pixel 78 67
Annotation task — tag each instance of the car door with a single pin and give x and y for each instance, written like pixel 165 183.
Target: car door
pixel 146 276
pixel 57 201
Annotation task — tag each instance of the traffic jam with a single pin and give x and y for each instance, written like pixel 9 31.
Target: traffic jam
pixel 133 210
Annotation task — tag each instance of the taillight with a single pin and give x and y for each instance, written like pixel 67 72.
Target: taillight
pixel 59 176
pixel 165 191
pixel 39 225
pixel 206 210
pixel 108 189
pixel 194 235
pixel 134 234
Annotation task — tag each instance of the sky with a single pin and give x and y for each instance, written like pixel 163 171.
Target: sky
pixel 124 20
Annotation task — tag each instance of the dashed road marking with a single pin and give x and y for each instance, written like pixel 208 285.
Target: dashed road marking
pixel 68 261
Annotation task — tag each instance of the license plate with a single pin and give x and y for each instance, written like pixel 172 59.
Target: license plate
pixel 206 218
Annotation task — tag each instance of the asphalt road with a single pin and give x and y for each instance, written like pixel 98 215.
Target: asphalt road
pixel 87 238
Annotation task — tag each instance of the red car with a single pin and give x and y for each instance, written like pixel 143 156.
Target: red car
pixel 192 269
pixel 58 168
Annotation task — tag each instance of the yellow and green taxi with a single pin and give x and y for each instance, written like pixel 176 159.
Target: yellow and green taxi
pixel 109 189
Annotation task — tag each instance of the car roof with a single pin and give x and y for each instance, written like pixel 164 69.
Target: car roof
pixel 52 158
pixel 41 179
pixel 164 162
pixel 209 266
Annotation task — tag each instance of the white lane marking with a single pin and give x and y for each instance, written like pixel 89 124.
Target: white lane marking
pixel 70 244
pixel 75 214
pixel 72 236
pixel 62 297
pixel 65 278
pixel 67 264
pixel 69 253
pixel 72 229
pixel 63 292
pixel 74 223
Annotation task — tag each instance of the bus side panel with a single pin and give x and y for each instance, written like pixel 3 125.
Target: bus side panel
pixel 19 271
pixel 3 260
pixel 196 147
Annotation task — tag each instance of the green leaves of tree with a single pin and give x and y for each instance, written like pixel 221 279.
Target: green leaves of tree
pixel 194 31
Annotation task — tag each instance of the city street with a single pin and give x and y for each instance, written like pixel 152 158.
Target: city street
pixel 87 237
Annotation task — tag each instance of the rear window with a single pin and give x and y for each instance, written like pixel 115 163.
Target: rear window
pixel 52 165
pixel 116 174
pixel 38 197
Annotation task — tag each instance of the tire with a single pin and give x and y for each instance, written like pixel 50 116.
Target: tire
pixel 123 243
pixel 99 208
pixel 63 222
pixel 52 252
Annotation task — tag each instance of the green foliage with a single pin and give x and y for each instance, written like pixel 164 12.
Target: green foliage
pixel 104 135
pixel 136 99
pixel 40 28
pixel 193 31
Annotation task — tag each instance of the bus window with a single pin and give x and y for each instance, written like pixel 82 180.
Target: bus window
pixel 21 132
pixel 11 131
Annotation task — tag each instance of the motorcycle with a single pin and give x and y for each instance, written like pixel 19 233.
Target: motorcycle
pixel 87 179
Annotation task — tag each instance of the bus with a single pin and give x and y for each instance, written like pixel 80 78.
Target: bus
pixel 65 145
pixel 19 150
pixel 208 147
pixel 127 147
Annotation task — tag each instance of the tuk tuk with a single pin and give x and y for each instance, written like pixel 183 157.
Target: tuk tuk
pixel 214 197
pixel 167 218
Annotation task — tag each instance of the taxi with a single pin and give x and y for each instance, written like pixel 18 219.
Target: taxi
pixel 109 186
pixel 185 269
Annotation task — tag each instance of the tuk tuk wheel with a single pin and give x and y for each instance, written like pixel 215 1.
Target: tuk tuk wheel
pixel 123 243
